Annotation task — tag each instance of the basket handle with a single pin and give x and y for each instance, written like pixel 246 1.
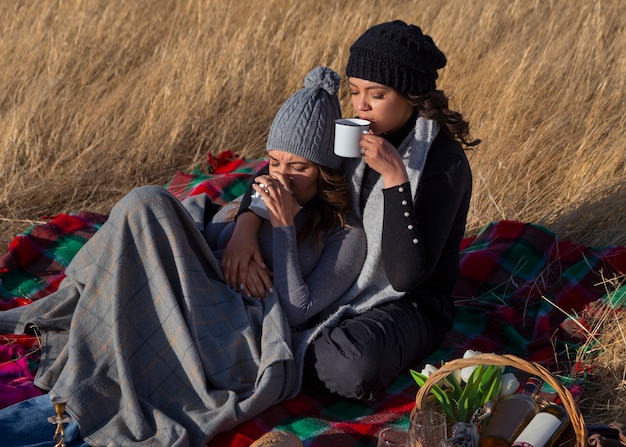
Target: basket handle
pixel 576 418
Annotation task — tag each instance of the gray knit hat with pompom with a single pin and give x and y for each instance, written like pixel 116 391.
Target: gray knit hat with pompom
pixel 305 124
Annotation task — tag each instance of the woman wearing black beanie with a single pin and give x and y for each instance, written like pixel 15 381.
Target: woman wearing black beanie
pixel 412 190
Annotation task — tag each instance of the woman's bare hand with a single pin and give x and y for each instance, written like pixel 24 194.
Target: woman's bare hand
pixel 276 191
pixel 383 158
pixel 258 280
pixel 243 252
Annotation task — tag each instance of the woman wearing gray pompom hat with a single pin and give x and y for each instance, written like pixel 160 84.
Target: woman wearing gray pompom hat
pixel 145 342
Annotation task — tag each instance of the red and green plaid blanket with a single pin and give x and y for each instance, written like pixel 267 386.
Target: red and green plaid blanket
pixel 519 292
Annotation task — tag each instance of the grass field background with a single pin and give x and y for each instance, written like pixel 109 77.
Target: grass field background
pixel 97 97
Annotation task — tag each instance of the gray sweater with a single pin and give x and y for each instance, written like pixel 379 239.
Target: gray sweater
pixel 308 278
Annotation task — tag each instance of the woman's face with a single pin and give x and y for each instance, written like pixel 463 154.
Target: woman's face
pixel 383 106
pixel 298 173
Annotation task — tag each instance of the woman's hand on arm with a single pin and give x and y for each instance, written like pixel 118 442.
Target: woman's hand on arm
pixel 242 261
pixel 258 279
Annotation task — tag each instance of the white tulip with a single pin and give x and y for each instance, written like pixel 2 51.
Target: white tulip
pixel 510 384
pixel 457 375
pixel 470 353
pixel 466 372
pixel 429 369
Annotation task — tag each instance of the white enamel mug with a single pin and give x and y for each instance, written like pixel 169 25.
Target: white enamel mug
pixel 348 133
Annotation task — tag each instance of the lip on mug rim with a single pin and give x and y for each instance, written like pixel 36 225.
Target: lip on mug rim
pixel 354 122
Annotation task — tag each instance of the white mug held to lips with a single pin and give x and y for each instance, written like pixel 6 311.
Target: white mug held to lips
pixel 258 207
pixel 348 133
pixel 257 204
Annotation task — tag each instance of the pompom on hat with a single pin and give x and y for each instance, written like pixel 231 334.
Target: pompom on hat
pixel 397 55
pixel 305 123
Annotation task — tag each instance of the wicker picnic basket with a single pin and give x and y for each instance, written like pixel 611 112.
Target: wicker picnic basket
pixel 578 423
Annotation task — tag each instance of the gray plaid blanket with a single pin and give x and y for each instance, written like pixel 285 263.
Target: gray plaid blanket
pixel 223 357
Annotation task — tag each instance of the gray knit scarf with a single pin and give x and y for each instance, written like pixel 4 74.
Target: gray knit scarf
pixel 372 287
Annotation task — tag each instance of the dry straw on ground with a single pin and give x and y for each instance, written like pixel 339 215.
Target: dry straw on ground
pixel 97 97
pixel 604 354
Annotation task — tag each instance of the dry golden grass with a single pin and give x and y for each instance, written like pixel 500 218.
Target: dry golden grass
pixel 604 354
pixel 100 96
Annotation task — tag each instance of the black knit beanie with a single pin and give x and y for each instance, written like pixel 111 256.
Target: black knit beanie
pixel 397 55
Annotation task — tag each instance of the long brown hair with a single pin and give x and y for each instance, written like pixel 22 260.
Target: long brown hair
pixel 434 105
pixel 330 208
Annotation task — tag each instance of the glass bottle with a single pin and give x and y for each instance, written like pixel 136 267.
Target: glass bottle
pixel 548 424
pixel 511 415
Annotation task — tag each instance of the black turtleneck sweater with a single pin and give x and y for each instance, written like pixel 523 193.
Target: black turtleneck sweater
pixel 420 243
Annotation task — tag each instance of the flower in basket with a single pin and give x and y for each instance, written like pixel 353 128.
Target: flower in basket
pixel 466 391
pixel 466 396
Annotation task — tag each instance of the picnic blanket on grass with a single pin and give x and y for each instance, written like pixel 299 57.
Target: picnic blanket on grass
pixel 520 291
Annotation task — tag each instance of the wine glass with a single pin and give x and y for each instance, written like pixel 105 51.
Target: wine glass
pixel 392 437
pixel 427 429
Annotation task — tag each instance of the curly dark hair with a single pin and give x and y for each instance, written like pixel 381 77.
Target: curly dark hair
pixel 330 208
pixel 434 105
